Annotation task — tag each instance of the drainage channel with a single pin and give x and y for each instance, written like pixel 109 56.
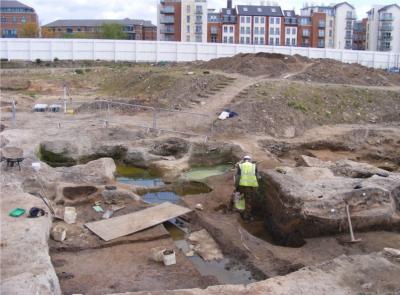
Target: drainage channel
pixel 227 270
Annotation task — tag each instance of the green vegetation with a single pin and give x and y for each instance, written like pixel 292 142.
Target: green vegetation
pixel 297 105
pixel 113 31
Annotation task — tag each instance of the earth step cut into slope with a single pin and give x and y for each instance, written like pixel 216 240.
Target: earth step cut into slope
pixel 305 202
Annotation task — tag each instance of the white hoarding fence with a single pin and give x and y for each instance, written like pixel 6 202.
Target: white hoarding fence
pixel 158 51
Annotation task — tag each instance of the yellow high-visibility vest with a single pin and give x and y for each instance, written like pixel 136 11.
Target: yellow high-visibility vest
pixel 248 175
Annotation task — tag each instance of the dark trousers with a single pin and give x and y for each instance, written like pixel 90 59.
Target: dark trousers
pixel 249 194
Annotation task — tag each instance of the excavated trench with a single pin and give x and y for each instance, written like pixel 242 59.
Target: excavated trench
pixel 210 185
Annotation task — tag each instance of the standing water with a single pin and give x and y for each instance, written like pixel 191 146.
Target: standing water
pixel 199 173
pixel 137 176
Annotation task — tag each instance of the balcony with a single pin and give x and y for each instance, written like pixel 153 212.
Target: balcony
pixel 350 16
pixel 321 35
pixel 198 21
pixel 348 37
pixel 386 18
pixel 167 20
pixel 321 25
pixel 305 34
pixel 198 32
pixel 349 27
pixel 321 45
pixel 199 11
pixel 167 10
pixel 305 44
pixel 229 20
pixel 291 21
pixel 385 38
pixel 167 31
pixel 385 48
pixel 386 28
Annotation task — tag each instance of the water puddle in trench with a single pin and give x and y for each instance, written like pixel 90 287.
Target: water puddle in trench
pixel 199 173
pixel 137 176
pixel 227 270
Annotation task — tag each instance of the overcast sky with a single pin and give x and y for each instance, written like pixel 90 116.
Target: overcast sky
pixel 50 10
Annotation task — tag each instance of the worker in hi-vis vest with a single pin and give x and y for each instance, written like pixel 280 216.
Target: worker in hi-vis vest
pixel 246 184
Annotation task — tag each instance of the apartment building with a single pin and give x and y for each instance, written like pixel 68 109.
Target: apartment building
pixel 182 20
pixel 360 34
pixel 260 25
pixel 291 27
pixel 336 21
pixel 91 28
pixel 214 27
pixel 383 28
pixel 14 16
pixel 229 24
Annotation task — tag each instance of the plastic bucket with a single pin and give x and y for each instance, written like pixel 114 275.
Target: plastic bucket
pixel 169 257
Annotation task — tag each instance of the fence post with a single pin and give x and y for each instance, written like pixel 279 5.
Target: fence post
pixel 373 59
pixel 94 50
pixel 8 50
pixel 30 50
pixel 73 50
pixel 51 50
pixel 157 51
pixel 197 51
pixel 115 50
pixel 176 51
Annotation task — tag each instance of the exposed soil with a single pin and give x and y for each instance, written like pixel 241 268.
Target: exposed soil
pixel 288 109
pixel 266 64
pixel 336 72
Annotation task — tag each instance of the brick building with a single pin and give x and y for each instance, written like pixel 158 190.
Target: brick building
pixel 91 28
pixel 214 27
pixel 14 16
pixel 291 27
pixel 360 34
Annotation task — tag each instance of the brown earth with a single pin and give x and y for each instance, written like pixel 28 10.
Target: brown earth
pixel 289 108
pixel 266 64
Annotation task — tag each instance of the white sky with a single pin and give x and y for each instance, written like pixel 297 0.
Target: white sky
pixel 50 10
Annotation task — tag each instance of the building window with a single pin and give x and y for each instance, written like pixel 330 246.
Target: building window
pixel 69 30
pixel 3 20
pixel 277 20
pixel 188 18
pixel 294 31
pixel 256 40
pixel 271 41
pixel 262 19
pixel 198 39
pixel 277 31
pixel 294 41
pixel 262 40
pixel 271 20
pixel 23 19
pixel 188 8
pixel 213 39
pixel 225 39
pixel 187 29
pixel 199 18
pixel 287 31
pixel 262 30
pixel 271 31
pixel 256 30
pixel 231 29
pixel 14 19
pixel 242 19
pixel 330 33
pixel 277 41
pixel 214 30
pixel 241 40
pixel 248 20
pixel 241 30
pixel 231 39
pixel 331 23
pixel 225 29
pixel 247 40
pixel 247 30
pixel 198 29
pixel 188 38
pixel 256 19
pixel 287 41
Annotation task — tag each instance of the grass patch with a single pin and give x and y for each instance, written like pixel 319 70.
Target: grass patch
pixel 297 105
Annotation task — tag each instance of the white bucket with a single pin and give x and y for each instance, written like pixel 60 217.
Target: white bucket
pixel 169 257
pixel 59 234
pixel 70 215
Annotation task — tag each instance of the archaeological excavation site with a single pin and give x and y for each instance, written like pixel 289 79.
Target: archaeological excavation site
pixel 127 178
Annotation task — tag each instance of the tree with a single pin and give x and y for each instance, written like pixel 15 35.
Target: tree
pixel 48 33
pixel 29 30
pixel 113 31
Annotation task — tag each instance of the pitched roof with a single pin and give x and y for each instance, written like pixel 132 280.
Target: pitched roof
pixel 257 10
pixel 289 13
pixel 97 22
pixel 387 6
pixel 341 3
pixel 13 4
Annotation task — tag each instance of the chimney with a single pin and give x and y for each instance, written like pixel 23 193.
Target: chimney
pixel 229 4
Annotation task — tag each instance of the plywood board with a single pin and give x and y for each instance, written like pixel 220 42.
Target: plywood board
pixel 120 226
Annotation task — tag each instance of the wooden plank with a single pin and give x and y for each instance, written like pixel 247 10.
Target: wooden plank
pixel 120 226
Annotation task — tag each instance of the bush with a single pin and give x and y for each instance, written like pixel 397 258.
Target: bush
pixel 56 59
pixel 297 105
pixel 38 61
pixel 79 71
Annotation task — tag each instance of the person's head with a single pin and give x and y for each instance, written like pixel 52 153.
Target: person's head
pixel 247 159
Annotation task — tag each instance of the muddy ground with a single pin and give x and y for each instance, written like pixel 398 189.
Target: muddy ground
pixel 279 120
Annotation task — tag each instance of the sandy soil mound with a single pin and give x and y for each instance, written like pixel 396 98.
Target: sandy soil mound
pixel 332 71
pixel 268 64
pixel 14 84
